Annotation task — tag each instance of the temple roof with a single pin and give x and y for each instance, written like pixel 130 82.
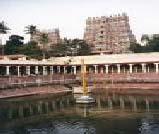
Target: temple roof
pixel 133 58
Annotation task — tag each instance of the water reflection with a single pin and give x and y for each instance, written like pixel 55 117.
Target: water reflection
pixel 112 114
pixel 22 109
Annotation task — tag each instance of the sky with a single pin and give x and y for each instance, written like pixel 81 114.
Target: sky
pixel 70 15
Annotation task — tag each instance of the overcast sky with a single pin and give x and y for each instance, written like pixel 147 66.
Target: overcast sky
pixel 70 15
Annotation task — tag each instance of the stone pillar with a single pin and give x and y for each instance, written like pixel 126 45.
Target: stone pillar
pixel 51 70
pixel 36 70
pixel 44 70
pixel 95 67
pixel 110 103
pixel 130 68
pixel 74 69
pixel 61 104
pixel 68 101
pixel 30 110
pixel 134 105
pixel 122 104
pixel 21 114
pixel 143 68
pixel 101 70
pixel 18 70
pixel 40 107
pixel 7 70
pixel 28 70
pixel 136 70
pixel 124 70
pixel 148 69
pixel 53 105
pixel 58 69
pixel 106 69
pixel 65 70
pixel 147 105
pixel 98 102
pixel 112 70
pixel 47 107
pixel 118 68
pixel 156 65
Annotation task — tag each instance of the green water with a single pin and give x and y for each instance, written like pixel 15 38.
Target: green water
pixel 111 114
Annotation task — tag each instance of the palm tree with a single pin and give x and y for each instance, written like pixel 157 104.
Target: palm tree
pixel 32 30
pixel 44 41
pixel 3 30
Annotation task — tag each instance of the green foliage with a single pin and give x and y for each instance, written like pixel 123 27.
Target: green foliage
pixel 3 28
pixel 84 49
pixel 70 47
pixel 145 38
pixel 14 45
pixel 151 46
pixel 59 50
pixel 154 44
pixel 32 50
pixel 67 47
pixel 31 29
pixel 136 48
pixel 44 40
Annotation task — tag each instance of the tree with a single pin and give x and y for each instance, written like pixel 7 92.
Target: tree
pixel 71 48
pixel 151 46
pixel 82 48
pixel 30 29
pixel 3 30
pixel 14 45
pixel 59 50
pixel 136 47
pixel 32 50
pixel 145 37
pixel 44 41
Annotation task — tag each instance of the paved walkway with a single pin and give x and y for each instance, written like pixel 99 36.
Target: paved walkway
pixel 8 93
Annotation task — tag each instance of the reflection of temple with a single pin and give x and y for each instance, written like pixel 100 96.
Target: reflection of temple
pixel 128 102
pixel 25 110
pixel 113 103
pixel 50 115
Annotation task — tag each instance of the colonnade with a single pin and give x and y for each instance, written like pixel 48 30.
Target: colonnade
pixel 123 103
pixel 74 69
pixel 39 107
pixel 120 102
pixel 45 70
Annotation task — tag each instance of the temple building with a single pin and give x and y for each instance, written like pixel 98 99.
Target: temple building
pixel 109 34
pixel 53 37
pixel 95 64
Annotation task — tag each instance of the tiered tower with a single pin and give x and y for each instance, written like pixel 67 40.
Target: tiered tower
pixel 109 34
pixel 53 37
